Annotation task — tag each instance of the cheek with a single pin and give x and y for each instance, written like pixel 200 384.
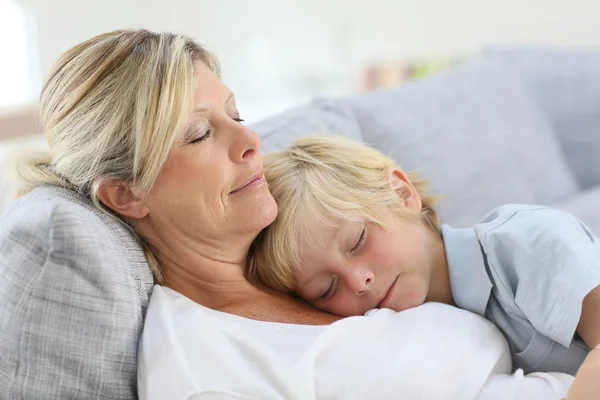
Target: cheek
pixel 413 289
pixel 406 250
pixel 187 187
pixel 385 251
pixel 346 304
pixel 188 177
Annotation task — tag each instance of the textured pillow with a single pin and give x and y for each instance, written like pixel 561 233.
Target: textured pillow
pixel 320 116
pixel 566 85
pixel 74 290
pixel 475 133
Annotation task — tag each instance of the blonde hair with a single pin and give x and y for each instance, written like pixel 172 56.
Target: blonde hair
pixel 323 178
pixel 110 110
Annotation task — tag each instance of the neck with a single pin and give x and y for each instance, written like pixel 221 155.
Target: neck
pixel 214 284
pixel 213 274
pixel 210 272
pixel 440 290
pixel 223 287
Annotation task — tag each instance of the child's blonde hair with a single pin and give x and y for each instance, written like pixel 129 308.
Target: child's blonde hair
pixel 319 179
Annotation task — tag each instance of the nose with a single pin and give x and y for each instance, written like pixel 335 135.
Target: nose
pixel 245 144
pixel 360 280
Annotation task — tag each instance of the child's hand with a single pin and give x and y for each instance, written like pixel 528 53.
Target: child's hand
pixel 586 385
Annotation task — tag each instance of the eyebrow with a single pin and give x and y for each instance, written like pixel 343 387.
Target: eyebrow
pixel 203 109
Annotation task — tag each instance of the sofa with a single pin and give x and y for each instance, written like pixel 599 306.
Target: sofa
pixel 514 125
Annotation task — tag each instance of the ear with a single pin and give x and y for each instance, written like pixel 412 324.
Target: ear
pixel 123 200
pixel 408 194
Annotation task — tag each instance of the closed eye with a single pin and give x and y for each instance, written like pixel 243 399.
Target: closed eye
pixel 203 137
pixel 330 290
pixel 208 133
pixel 361 241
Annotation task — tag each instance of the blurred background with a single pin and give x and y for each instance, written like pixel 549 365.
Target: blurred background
pixel 277 54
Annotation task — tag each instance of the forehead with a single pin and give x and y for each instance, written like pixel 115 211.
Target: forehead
pixel 319 248
pixel 319 236
pixel 316 235
pixel 209 90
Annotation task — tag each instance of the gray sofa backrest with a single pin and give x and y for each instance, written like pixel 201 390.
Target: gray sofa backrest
pixel 74 289
pixel 565 84
pixel 474 132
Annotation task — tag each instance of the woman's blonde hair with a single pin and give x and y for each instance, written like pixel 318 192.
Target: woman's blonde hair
pixel 110 111
pixel 317 180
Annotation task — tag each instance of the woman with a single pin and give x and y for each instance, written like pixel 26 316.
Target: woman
pixel 141 124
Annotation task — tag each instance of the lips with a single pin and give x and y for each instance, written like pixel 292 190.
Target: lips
pixel 256 177
pixel 388 295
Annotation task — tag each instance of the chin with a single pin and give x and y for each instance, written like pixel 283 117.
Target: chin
pixel 258 214
pixel 413 300
pixel 269 212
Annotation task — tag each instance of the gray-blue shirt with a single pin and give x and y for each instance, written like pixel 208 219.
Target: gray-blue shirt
pixel 527 269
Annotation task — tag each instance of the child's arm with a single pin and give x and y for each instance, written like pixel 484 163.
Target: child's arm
pixel 586 385
pixel 589 323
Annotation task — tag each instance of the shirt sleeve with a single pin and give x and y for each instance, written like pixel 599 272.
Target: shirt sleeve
pixel 548 261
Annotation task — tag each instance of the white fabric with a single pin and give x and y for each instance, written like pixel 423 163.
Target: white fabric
pixel 431 352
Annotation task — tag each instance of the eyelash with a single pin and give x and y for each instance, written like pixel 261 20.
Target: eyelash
pixel 329 290
pixel 202 138
pixel 361 241
pixel 209 132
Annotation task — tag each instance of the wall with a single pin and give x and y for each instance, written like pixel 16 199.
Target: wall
pixel 279 53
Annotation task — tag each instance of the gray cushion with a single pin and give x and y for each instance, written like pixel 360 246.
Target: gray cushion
pixel 74 289
pixel 320 116
pixel 475 133
pixel 584 206
pixel 566 85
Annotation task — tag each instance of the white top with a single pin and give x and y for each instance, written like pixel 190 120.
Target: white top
pixel 434 351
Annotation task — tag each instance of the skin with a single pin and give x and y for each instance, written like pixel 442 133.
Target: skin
pixel 206 260
pixel 589 322
pixel 350 268
pixel 586 385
